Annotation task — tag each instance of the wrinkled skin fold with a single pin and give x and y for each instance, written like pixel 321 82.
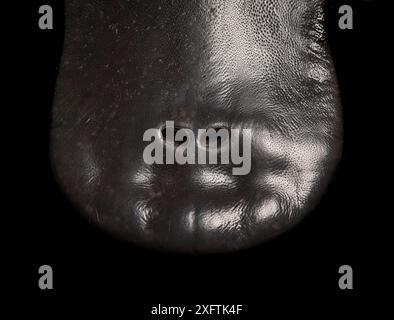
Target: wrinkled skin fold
pixel 128 66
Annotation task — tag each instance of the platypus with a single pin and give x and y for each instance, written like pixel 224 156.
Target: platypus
pixel 132 65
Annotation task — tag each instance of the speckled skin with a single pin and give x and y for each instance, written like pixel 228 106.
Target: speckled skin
pixel 129 66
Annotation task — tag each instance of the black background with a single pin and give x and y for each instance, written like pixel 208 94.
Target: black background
pixel 293 272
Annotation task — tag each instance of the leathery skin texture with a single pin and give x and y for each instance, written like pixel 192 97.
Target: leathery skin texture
pixel 128 66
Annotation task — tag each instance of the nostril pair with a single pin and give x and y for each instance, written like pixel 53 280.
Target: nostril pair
pixel 214 137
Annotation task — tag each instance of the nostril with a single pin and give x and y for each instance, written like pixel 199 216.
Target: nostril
pixel 215 137
pixel 168 132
